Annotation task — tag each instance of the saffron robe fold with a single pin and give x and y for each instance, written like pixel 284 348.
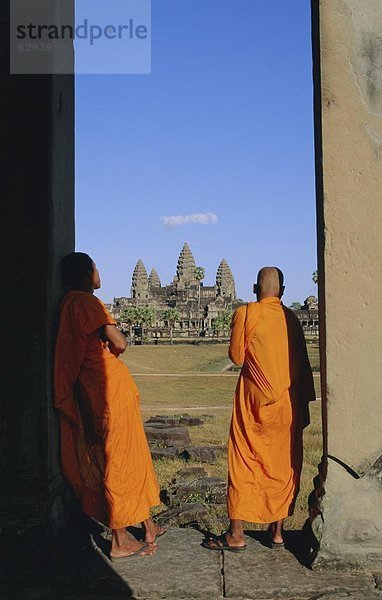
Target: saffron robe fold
pixel 105 455
pixel 270 411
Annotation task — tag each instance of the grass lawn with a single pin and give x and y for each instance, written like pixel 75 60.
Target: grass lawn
pixel 177 359
pixel 193 379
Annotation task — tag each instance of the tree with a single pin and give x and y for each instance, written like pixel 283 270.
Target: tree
pixel 142 316
pixel 222 323
pixel 199 273
pixel 171 315
pixel 315 276
pixel 146 317
pixel 129 316
pixel 296 306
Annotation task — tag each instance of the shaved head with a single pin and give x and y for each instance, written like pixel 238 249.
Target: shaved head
pixel 270 282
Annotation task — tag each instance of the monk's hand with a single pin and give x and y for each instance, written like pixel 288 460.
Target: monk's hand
pixel 113 349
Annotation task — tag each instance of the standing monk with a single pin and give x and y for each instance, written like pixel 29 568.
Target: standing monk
pixel 105 455
pixel 269 415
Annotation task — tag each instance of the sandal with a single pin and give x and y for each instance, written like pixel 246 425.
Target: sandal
pixel 139 552
pixel 272 544
pixel 222 544
pixel 277 545
pixel 162 531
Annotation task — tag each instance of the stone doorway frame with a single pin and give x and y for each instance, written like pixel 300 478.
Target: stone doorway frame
pixel 347 57
pixel 37 135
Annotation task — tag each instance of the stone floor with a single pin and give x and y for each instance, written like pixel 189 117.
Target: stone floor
pixel 182 569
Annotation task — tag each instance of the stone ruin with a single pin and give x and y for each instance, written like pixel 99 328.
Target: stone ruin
pixel 192 498
pixel 308 317
pixel 169 437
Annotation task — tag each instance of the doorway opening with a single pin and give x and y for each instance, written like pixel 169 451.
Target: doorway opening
pixel 207 163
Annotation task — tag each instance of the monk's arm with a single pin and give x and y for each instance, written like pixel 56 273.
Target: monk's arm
pixel 116 339
pixel 236 350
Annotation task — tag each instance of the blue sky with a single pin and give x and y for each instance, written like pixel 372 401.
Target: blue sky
pixel 223 125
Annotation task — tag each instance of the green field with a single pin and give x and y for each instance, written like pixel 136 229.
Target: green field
pixel 194 379
pixel 177 359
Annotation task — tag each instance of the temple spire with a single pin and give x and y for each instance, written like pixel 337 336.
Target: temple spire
pixel 225 282
pixel 185 271
pixel 140 281
pixel 154 281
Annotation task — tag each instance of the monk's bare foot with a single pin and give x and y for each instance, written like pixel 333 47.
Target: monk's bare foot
pixel 235 534
pixel 235 539
pixel 123 546
pixel 152 531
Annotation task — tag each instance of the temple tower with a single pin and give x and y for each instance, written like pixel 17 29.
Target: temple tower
pixel 140 281
pixel 225 282
pixel 185 272
pixel 154 281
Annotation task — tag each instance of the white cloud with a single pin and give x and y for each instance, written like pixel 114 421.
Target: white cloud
pixel 199 218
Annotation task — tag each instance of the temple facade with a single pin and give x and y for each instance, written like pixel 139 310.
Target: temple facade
pixel 308 317
pixel 199 306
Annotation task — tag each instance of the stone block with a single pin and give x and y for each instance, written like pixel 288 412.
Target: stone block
pixel 191 421
pixel 169 436
pixel 204 489
pixel 164 420
pixel 170 452
pixel 155 425
pixel 178 550
pixel 359 530
pixel 351 533
pixel 206 417
pixel 179 570
pixel 191 473
pixel 206 454
pixel 261 572
pixel 175 421
pixel 185 515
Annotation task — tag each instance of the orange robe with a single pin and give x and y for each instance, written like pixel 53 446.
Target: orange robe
pixel 105 455
pixel 270 411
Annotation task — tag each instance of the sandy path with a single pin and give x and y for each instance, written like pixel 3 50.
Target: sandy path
pixel 184 408
pixel 184 374
pixel 191 374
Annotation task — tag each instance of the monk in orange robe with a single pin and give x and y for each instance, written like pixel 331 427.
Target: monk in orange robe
pixel 269 415
pixel 105 455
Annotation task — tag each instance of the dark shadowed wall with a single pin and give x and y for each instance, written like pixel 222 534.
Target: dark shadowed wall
pixel 37 166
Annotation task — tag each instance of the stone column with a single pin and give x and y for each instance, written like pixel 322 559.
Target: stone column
pixel 37 159
pixel 347 41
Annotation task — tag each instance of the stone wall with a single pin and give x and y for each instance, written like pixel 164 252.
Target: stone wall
pixel 37 145
pixel 348 112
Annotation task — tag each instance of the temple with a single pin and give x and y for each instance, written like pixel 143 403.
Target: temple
pixel 198 306
pixel 308 317
pixel 201 311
